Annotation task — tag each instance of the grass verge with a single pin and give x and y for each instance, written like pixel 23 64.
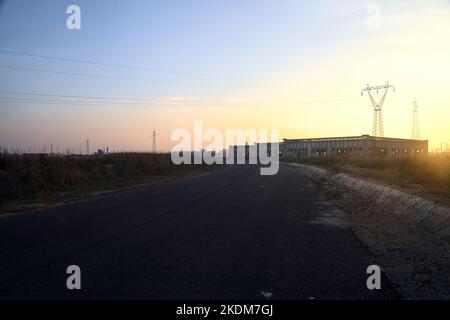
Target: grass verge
pixel 28 180
pixel 424 174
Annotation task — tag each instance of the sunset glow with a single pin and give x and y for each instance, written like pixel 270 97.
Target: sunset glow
pixel 301 74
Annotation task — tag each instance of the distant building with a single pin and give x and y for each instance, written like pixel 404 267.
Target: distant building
pixel 256 150
pixel 357 145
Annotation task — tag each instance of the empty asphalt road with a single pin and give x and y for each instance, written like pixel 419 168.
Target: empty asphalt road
pixel 231 234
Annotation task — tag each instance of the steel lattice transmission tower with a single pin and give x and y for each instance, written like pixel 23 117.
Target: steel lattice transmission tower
pixel 378 129
pixel 415 133
pixel 154 141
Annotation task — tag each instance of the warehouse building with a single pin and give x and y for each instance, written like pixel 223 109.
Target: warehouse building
pixel 357 145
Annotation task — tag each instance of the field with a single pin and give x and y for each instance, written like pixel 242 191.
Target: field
pixel 50 178
pixel 430 174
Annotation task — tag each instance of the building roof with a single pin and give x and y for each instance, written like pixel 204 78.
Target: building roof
pixel 361 137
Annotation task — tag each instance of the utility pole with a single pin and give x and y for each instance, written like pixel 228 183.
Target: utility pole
pixel 87 147
pixel 378 128
pixel 154 141
pixel 415 132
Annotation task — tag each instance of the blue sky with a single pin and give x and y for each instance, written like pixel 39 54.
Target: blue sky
pixel 252 39
pixel 297 45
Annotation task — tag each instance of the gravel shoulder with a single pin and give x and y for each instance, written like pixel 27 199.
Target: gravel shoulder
pixel 409 234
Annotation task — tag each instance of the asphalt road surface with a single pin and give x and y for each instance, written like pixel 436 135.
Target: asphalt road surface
pixel 231 234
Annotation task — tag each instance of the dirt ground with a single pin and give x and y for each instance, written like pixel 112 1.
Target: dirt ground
pixel 408 234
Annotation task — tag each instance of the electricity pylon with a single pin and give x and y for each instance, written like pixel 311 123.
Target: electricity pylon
pixel 154 141
pixel 378 129
pixel 415 133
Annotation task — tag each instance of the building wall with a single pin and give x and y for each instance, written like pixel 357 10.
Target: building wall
pixel 360 145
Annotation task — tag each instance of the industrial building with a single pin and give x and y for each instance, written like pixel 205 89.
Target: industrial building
pixel 356 145
pixel 375 144
pixel 246 151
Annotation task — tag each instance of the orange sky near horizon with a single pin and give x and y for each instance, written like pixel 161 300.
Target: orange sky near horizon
pixel 321 97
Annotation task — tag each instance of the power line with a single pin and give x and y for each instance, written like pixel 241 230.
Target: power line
pixel 88 103
pixel 92 75
pixel 66 101
pixel 49 102
pixel 117 101
pixel 71 96
pixel 136 67
pixel 77 103
pixel 127 99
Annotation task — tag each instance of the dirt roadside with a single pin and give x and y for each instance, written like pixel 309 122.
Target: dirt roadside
pixel 408 234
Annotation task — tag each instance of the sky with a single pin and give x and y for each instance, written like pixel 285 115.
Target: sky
pixel 295 66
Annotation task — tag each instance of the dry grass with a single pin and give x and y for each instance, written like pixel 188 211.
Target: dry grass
pixel 432 172
pixel 46 178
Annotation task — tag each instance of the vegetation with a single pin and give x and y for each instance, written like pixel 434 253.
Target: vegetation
pixel 51 177
pixel 432 172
